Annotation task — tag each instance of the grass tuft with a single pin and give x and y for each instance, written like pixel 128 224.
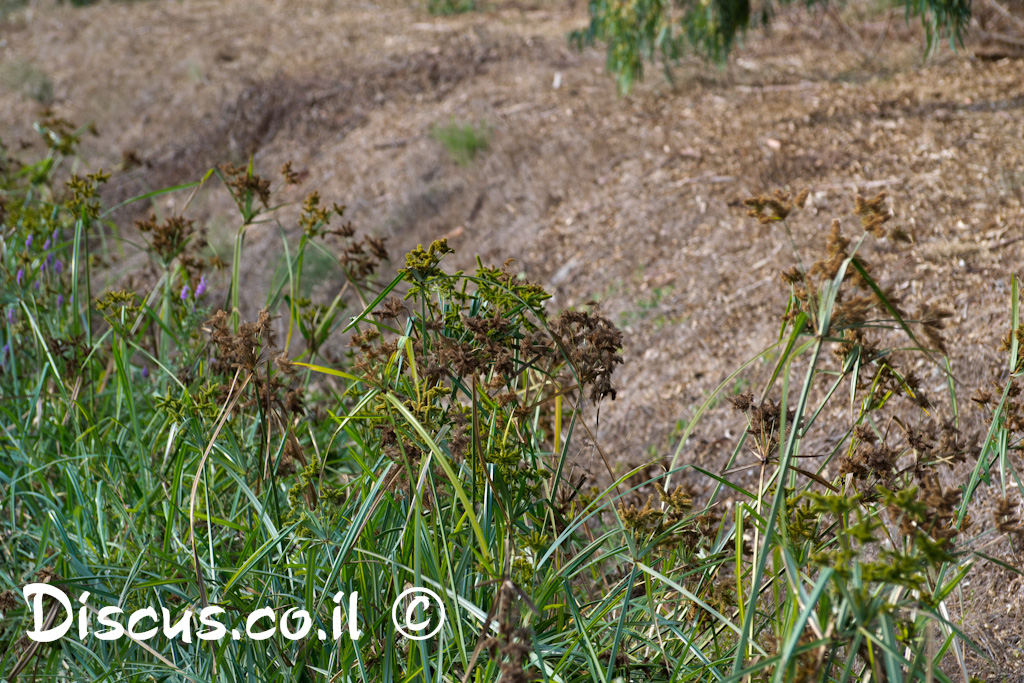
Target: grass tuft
pixel 28 79
pixel 463 141
pixel 449 7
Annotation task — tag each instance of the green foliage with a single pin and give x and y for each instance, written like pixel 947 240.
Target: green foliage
pixel 27 78
pixel 463 141
pixel 640 31
pixel 9 7
pixel 447 7
pixel 87 3
pixel 159 452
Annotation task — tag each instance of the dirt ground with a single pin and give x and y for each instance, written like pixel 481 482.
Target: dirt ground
pixel 631 201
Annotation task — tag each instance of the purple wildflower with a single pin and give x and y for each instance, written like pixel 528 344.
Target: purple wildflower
pixel 145 372
pixel 184 293
pixel 56 235
pixel 10 315
pixel 28 242
pixel 37 285
pixel 46 244
pixel 60 300
pixel 20 277
pixel 58 267
pixel 51 259
pixel 201 287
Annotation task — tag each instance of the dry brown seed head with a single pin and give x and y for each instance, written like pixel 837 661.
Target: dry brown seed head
pixel 290 176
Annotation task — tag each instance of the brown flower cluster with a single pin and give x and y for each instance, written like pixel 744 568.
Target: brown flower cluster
pixel 375 352
pixel 929 513
pixel 875 463
pixel 1007 343
pixel 932 320
pixel 874 215
pixel 240 350
pixel 511 646
pixel 671 512
pixel 315 218
pixel 244 184
pixel 942 502
pixel 888 381
pixel 593 345
pixel 167 238
pixel 837 250
pixel 255 345
pixel 8 602
pixel 60 134
pixel 1013 408
pixel 872 463
pixel 942 444
pixel 1007 520
pixel 765 420
pixel 360 257
pixel 774 207
pixel 484 344
pixel 391 309
pixel 289 174
pixel 490 348
pixel 641 520
pixel 851 309
pixel 84 200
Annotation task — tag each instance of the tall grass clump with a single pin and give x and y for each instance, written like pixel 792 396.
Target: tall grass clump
pixel 159 451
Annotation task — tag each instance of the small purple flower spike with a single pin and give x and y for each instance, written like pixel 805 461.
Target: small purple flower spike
pixel 201 287
pixel 51 259
pixel 20 277
pixel 145 372
pixel 184 293
pixel 10 315
pixel 46 244
pixel 28 242
pixel 56 235
pixel 37 285
pixel 60 300
pixel 58 267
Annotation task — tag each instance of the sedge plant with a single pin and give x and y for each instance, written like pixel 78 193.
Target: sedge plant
pixel 160 451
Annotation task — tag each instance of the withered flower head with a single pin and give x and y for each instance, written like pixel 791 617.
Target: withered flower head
pixel 774 207
pixel 242 184
pixel 873 214
pixel 290 176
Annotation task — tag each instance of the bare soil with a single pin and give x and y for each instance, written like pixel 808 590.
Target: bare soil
pixel 634 201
